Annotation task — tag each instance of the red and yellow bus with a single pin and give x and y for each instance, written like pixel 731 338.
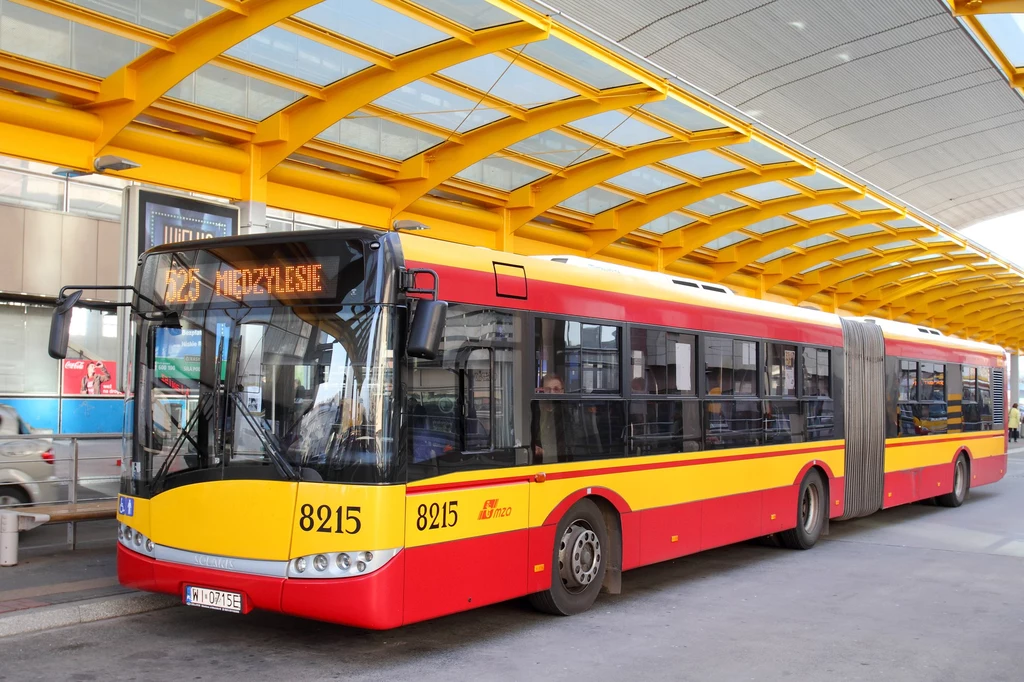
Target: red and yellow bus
pixel 374 428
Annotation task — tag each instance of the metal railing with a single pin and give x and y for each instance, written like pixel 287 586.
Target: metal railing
pixel 59 469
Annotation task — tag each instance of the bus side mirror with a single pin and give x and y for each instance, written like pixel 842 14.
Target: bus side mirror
pixel 60 325
pixel 427 329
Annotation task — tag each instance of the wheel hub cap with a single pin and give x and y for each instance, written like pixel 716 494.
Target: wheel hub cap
pixel 579 557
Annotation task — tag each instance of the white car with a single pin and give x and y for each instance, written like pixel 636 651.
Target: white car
pixel 26 464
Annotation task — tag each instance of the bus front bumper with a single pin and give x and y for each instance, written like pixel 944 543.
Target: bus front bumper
pixel 373 601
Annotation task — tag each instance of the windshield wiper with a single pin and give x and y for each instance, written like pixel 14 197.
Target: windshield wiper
pixel 283 466
pixel 183 435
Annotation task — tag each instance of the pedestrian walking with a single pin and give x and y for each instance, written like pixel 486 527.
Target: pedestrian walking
pixel 1014 423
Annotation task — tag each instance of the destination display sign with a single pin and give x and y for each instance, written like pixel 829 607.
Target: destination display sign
pixel 250 282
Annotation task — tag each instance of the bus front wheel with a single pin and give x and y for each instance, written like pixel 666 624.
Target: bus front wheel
pixel 812 505
pixel 579 560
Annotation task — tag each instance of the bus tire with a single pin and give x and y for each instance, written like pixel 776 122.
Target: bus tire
pixel 961 484
pixel 811 508
pixel 579 560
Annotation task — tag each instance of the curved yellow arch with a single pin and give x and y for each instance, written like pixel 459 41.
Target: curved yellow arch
pixel 529 201
pixel 735 257
pixel 615 223
pixel 859 288
pixel 130 90
pixel 820 280
pixel 428 169
pixel 286 131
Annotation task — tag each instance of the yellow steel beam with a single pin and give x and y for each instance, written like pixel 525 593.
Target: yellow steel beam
pixel 987 316
pixel 823 279
pixel 781 269
pixel 132 89
pixel 940 279
pixel 995 321
pixel 616 223
pixel 966 8
pixel 287 130
pixel 940 300
pixel 68 85
pixel 529 201
pixel 427 170
pixel 861 287
pixel 686 240
pixel 967 303
pixel 983 307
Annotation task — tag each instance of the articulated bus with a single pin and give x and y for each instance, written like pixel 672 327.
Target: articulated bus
pixel 376 428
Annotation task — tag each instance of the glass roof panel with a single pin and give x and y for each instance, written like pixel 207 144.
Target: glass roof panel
pixel 31 33
pixel 702 164
pixel 714 205
pixel 166 16
pixel 819 266
pixel 758 153
pixel 726 241
pixel 475 14
pixel 858 230
pixel 766 191
pixel 817 212
pixel 501 172
pixel 772 256
pixel 439 107
pixel 936 239
pixel 683 116
pixel 379 136
pixel 372 24
pixel 901 244
pixel 865 204
pixel 576 63
pixel 815 241
pixel 902 222
pixel 854 254
pixel 555 148
pixel 593 201
pixel 1007 30
pixel 509 82
pixel 232 93
pixel 667 223
pixel 769 225
pixel 929 256
pixel 618 128
pixel 645 180
pixel 818 182
pixel 293 55
pixel 955 267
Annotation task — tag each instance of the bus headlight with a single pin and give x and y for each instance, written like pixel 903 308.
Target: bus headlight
pixel 129 538
pixel 342 564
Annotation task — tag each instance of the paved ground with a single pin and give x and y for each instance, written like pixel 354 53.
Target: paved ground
pixel 915 593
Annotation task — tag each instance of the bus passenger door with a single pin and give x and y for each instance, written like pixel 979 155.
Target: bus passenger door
pixel 467 510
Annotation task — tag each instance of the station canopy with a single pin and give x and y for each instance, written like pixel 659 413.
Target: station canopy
pixel 494 122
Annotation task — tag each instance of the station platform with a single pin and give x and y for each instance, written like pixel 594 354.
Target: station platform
pixel 52 586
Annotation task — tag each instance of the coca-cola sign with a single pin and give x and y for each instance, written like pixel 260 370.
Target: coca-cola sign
pixel 90 377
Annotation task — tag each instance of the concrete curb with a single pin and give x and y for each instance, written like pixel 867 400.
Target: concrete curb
pixel 62 615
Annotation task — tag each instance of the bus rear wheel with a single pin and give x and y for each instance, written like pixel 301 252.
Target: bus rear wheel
pixel 810 513
pixel 961 484
pixel 578 564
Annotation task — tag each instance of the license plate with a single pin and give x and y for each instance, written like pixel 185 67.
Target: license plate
pixel 213 599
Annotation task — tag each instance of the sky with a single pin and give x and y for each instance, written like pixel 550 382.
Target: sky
pixel 1003 236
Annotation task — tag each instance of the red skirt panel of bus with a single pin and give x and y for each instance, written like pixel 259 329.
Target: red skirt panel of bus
pixel 373 601
pixel 911 485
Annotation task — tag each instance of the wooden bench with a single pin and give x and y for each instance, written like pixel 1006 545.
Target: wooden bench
pixel 77 511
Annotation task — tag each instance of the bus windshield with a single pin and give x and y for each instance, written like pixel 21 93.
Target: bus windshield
pixel 236 379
